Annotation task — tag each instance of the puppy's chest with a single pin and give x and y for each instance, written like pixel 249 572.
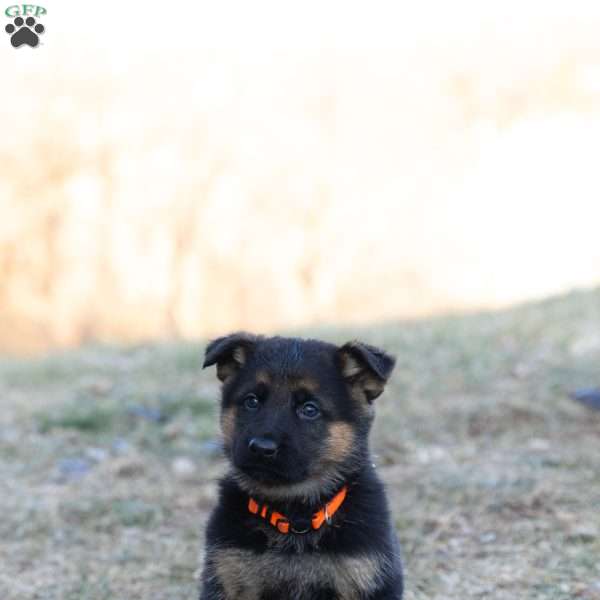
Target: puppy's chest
pixel 245 575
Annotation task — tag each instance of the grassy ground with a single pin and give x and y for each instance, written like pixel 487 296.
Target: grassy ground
pixel 108 461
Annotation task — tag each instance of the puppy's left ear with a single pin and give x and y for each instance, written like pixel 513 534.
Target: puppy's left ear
pixel 229 353
pixel 365 368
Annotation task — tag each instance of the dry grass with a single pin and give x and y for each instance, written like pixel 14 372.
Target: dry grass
pixel 107 465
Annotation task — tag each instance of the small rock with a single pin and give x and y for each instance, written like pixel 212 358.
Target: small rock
pixel 147 412
pixel 173 430
pixel 539 444
pixel 579 589
pixel 97 455
pixel 10 435
pixel 183 467
pixel 586 344
pixel 589 397
pixel 98 386
pixel 487 538
pixel 128 466
pixel 522 370
pixel 430 454
pixel 451 580
pixel 582 534
pixel 121 446
pixel 73 468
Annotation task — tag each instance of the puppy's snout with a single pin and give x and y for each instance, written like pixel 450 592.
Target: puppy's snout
pixel 263 447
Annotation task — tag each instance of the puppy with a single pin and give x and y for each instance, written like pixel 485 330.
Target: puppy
pixel 302 515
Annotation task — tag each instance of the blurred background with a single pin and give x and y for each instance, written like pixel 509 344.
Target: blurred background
pixel 419 175
pixel 176 171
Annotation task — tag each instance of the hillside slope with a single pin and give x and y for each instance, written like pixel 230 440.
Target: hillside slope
pixel 108 460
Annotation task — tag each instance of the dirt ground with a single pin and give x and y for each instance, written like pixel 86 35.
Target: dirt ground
pixel 109 456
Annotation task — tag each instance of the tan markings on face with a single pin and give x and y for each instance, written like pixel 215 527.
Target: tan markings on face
pixel 340 442
pixel 358 396
pixel 242 573
pixel 305 383
pixel 228 424
pixel 363 390
pixel 263 377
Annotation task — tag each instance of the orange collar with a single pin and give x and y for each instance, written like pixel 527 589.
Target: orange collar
pixel 283 524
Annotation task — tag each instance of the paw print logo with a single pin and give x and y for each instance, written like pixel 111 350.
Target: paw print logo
pixel 24 32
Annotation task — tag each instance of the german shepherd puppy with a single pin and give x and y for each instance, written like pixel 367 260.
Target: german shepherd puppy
pixel 302 514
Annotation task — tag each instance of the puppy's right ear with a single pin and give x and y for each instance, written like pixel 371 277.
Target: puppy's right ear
pixel 229 353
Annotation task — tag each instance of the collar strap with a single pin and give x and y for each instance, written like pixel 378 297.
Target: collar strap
pixel 283 524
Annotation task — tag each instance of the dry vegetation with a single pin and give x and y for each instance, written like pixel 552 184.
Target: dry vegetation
pixel 168 191
pixel 108 461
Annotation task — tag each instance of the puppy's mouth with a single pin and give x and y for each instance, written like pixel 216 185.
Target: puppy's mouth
pixel 266 474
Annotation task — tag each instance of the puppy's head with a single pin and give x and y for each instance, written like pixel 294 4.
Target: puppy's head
pixel 296 413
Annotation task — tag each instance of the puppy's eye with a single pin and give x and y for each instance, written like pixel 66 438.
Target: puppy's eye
pixel 251 402
pixel 309 410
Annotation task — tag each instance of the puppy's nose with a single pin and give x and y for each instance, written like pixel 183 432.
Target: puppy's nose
pixel 264 447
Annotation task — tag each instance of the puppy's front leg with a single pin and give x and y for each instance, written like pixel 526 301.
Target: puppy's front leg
pixel 211 589
pixel 385 595
pixel 391 590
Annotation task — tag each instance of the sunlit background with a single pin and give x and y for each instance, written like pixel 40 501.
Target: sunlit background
pixel 181 169
pixel 422 176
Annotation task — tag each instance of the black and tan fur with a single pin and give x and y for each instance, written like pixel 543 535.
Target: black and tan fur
pixel 295 418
